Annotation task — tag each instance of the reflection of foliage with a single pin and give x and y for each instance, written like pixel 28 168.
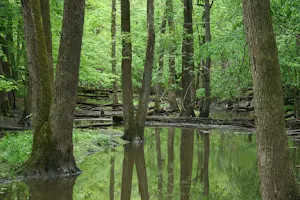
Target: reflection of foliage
pixel 234 179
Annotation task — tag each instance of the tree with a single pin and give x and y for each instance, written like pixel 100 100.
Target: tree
pixel 187 79
pixel 276 175
pixel 134 127
pixel 113 51
pixel 53 112
pixel 172 52
pixel 204 111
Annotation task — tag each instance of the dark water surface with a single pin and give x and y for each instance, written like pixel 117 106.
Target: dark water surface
pixel 172 164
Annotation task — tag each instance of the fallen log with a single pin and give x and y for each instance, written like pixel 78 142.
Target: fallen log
pixel 95 125
pixel 194 120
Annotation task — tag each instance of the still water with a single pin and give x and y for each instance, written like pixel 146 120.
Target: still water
pixel 172 164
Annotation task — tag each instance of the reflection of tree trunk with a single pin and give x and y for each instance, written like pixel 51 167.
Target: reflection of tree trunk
pixel 186 162
pixel 128 163
pixel 199 174
pixel 58 189
pixel 134 155
pixel 159 162
pixel 171 134
pixel 112 175
pixel 206 164
pixel 141 172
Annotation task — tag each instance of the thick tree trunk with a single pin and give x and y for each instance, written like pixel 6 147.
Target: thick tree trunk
pixel 126 70
pixel 172 52
pixel 52 151
pixel 276 174
pixel 187 80
pixel 67 72
pixel 206 71
pixel 4 103
pixel 113 51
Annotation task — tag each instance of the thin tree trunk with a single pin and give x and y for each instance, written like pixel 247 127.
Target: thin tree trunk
pixel 172 51
pixel 147 77
pixel 277 179
pixel 187 108
pixel 45 8
pixel 206 103
pixel 159 84
pixel 113 51
pixel 126 70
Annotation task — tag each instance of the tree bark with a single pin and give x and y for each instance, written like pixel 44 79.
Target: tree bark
pixel 159 84
pixel 206 71
pixel 276 174
pixel 147 77
pixel 126 70
pixel 52 150
pixel 172 52
pixel 45 9
pixel 113 51
pixel 187 80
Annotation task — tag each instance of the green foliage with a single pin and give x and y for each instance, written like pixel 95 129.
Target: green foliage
pixel 7 84
pixel 15 148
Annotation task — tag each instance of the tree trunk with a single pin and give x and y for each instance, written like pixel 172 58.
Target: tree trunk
pixel 45 9
pixel 276 174
pixel 67 72
pixel 159 84
pixel 172 51
pixel 113 51
pixel 187 80
pixel 52 150
pixel 206 71
pixel 126 70
pixel 147 77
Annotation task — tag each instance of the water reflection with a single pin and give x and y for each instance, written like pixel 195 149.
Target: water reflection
pixel 186 162
pixel 172 164
pixel 58 189
pixel 134 156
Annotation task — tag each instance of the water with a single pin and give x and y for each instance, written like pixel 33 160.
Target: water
pixel 172 164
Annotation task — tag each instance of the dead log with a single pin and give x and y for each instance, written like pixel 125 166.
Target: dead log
pixel 94 125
